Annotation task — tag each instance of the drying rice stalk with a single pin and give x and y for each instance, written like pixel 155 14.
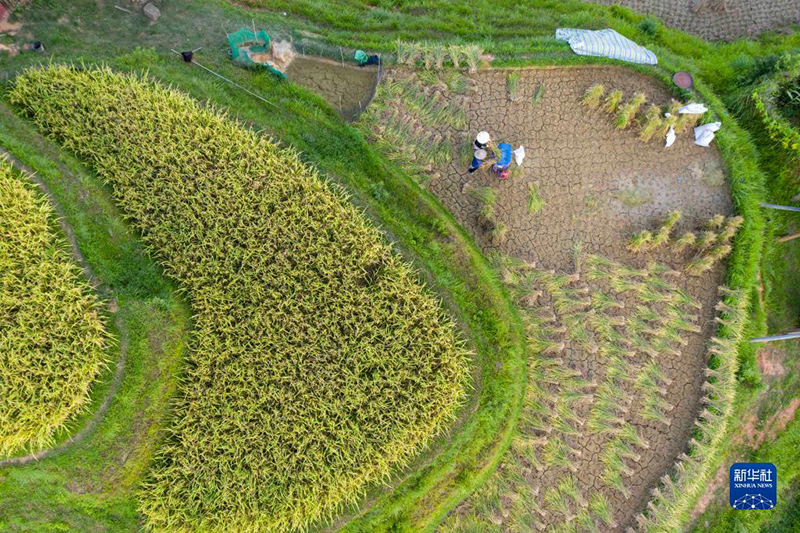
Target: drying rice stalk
pixel 472 56
pixel 455 51
pixel 653 123
pixel 593 96
pixel 612 101
pixel 535 202
pixel 640 241
pixel 628 111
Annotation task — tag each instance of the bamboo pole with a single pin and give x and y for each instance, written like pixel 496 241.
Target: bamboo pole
pixel 785 336
pixel 251 93
pixel 789 237
pixel 780 207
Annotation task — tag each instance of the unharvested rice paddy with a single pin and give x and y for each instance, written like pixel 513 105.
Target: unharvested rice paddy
pixel 52 337
pixel 319 362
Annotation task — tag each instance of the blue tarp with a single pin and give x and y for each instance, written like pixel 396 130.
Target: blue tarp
pixel 605 43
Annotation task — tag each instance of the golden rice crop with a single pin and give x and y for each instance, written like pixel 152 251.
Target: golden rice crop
pixel 52 338
pixel 319 362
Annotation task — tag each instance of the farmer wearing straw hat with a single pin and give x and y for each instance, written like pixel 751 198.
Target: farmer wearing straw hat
pixel 478 159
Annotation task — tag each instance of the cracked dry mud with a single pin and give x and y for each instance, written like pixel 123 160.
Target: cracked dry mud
pixel 719 19
pixel 581 164
pixel 346 88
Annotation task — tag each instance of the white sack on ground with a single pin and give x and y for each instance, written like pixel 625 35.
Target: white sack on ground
pixel 693 109
pixel 703 135
pixel 670 137
pixel 519 155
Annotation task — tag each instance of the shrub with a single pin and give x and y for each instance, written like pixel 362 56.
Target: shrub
pixel 319 362
pixel 52 337
pixel 593 96
pixel 649 26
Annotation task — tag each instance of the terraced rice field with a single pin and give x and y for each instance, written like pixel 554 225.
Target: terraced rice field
pixel 319 364
pixel 53 336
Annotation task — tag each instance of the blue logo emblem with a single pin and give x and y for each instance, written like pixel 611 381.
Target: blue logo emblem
pixel 754 486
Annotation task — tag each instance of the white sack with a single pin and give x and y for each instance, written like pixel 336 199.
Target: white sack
pixel 519 155
pixel 670 137
pixel 703 135
pixel 693 109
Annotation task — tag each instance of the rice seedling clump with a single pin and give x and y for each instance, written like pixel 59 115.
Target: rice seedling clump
pixel 52 338
pixel 319 362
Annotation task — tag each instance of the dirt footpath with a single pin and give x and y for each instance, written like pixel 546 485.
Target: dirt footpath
pixel 719 19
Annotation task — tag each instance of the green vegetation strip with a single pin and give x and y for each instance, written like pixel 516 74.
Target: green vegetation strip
pixel 765 97
pixel 319 363
pixel 53 338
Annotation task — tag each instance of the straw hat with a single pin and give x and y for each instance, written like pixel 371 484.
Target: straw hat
pixel 480 154
pixel 483 137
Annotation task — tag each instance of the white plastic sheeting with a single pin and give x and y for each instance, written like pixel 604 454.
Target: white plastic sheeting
pixel 605 43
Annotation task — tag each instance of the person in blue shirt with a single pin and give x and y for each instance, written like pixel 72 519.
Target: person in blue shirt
pixel 478 159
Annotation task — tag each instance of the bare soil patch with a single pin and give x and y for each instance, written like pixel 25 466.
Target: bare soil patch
pixel 598 186
pixel 346 88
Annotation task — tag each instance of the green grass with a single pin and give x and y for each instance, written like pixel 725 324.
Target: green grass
pixel 54 342
pixel 320 463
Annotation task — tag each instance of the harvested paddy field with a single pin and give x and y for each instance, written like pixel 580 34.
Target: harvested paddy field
pixel 347 88
pixel 619 336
